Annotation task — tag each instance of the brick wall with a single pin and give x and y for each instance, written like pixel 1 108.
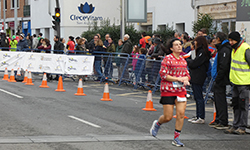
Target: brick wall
pixel 10 12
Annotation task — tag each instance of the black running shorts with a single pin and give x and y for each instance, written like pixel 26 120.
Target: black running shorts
pixel 168 100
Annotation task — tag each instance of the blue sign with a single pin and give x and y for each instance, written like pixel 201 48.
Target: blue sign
pixel 86 8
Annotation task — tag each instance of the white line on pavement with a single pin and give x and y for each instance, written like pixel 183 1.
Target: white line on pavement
pixel 11 93
pixel 86 122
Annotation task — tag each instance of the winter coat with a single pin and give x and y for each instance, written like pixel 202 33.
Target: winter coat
pixel 157 52
pixel 45 49
pixel 199 66
pixel 111 48
pixel 58 46
pixel 81 48
pixel 118 50
pixel 22 44
pixel 98 55
pixel 127 47
pixel 223 63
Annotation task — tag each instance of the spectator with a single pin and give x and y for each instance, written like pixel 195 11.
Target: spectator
pixel 142 42
pixel 81 47
pixel 58 46
pixel 22 44
pixel 143 53
pixel 212 47
pixel 158 53
pixel 198 69
pixel 110 49
pixel 13 43
pixel 177 35
pixel 91 44
pixel 4 42
pixel 77 38
pixel 98 48
pixel 186 44
pixel 174 78
pixel 204 33
pixel 71 44
pixel 63 42
pixel 45 47
pixel 199 33
pixel 29 41
pixel 135 55
pixel 240 78
pixel 117 60
pixel 40 37
pixel 127 45
pixel 106 42
pixel 35 41
pixel 17 37
pixel 221 76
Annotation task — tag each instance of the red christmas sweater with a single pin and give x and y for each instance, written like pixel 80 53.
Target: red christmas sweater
pixel 176 68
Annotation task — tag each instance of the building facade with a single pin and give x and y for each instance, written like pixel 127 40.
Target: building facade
pixel 76 16
pixel 23 16
pixel 223 13
pixel 178 14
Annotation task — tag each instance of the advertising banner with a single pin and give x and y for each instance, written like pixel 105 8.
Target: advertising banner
pixel 49 63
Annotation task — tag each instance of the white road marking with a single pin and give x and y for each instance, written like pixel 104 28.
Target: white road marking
pixel 86 122
pixel 11 93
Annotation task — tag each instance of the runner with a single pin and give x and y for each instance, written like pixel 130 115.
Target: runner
pixel 174 78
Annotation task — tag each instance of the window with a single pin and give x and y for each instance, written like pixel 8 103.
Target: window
pixel 5 4
pixel 13 3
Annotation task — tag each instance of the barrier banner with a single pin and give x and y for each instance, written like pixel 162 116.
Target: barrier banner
pixel 49 63
pixel 80 65
pixel 11 60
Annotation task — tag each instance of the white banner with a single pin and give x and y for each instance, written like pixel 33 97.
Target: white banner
pixel 50 63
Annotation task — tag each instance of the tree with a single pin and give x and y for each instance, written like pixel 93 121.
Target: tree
pixel 204 21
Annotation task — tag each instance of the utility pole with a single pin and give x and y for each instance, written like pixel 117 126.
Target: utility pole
pixel 15 15
pixel 4 17
pixel 123 23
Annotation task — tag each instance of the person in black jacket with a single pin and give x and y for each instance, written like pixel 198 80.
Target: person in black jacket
pixel 98 59
pixel 156 55
pixel 58 46
pixel 221 80
pixel 198 71
pixel 127 45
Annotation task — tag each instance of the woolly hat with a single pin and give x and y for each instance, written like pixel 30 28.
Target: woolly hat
pixel 234 36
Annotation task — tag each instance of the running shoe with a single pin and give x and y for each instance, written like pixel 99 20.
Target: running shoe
pixel 213 124
pixel 221 127
pixel 230 130
pixel 192 119
pixel 177 142
pixel 240 131
pixel 154 129
pixel 199 121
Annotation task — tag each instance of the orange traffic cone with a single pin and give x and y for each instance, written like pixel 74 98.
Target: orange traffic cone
pixel 106 93
pixel 18 72
pixel 6 75
pixel 149 104
pixel 29 80
pixel 12 76
pixel 25 79
pixel 60 85
pixel 214 114
pixel 80 89
pixel 44 82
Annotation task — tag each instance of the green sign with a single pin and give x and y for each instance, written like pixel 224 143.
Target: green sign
pixel 243 10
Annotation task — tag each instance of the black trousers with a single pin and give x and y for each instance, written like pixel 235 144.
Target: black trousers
pixel 221 103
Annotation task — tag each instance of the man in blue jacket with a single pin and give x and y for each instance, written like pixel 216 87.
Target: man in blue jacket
pixel 22 44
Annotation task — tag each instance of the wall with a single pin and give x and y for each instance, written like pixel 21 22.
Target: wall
pixel 172 13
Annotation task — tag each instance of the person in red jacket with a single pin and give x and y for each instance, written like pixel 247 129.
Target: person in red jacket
pixel 142 42
pixel 174 78
pixel 71 44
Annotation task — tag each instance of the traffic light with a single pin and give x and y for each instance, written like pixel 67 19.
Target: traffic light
pixel 57 15
pixel 56 20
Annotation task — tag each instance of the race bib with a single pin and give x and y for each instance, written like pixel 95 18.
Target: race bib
pixel 177 84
